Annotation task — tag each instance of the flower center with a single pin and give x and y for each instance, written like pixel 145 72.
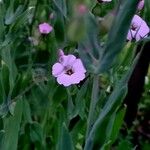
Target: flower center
pixel 134 27
pixel 69 72
pixel 44 31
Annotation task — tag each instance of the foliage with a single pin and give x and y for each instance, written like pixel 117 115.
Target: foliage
pixel 38 113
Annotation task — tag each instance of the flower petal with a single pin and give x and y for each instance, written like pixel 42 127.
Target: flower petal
pixel 144 29
pixel 64 79
pixel 137 20
pixel 78 66
pixel 77 77
pixel 57 69
pixel 45 28
pixel 131 35
pixel 140 5
pixel 141 29
pixel 67 60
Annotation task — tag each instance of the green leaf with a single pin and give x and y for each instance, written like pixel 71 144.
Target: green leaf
pixel 78 132
pixel 20 21
pixel 89 48
pixel 59 27
pixel 80 100
pixel 9 62
pixel 107 116
pixel 4 84
pixel 26 111
pixel 113 103
pixel 70 108
pixel 10 12
pixel 117 35
pixel 65 141
pixel 61 15
pixel 117 123
pixel 12 127
pixel 11 16
pixel 60 94
pixel 125 145
pixel 12 107
pixel 2 27
pixel 61 6
pixel 36 132
pixel 2 135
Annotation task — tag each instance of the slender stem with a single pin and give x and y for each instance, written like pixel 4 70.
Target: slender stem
pixel 94 99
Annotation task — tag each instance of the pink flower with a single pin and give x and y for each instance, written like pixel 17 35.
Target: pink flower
pixel 82 9
pixel 140 5
pixel 45 28
pixel 138 30
pixel 69 70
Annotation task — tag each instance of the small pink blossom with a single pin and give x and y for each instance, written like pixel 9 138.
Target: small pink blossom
pixel 69 70
pixel 45 28
pixel 138 30
pixel 140 5
pixel 82 9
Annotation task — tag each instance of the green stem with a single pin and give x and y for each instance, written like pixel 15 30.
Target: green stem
pixel 94 99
